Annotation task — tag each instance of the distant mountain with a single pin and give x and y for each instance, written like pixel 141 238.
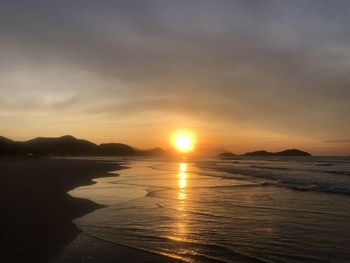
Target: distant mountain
pixel 259 153
pixel 5 140
pixel 227 155
pixel 8 147
pixel 70 146
pixel 116 149
pixel 65 145
pixel 292 152
pixel 289 152
pixel 155 152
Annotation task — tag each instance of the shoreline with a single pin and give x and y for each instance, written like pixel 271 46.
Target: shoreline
pixel 86 248
pixel 36 210
pixel 89 248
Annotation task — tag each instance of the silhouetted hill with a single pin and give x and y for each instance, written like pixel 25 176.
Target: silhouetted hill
pixel 289 152
pixel 69 146
pixel 259 153
pixel 9 147
pixel 292 152
pixel 227 155
pixel 5 140
pixel 116 149
pixel 65 145
pixel 155 152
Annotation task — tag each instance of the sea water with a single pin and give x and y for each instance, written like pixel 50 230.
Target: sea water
pixel 237 210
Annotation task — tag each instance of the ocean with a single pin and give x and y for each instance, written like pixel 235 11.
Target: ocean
pixel 268 209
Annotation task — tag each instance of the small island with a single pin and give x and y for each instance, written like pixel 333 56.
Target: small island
pixel 288 152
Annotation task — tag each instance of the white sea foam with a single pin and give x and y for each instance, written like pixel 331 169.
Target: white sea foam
pixel 322 174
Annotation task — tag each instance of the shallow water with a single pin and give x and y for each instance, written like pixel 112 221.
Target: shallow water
pixel 197 212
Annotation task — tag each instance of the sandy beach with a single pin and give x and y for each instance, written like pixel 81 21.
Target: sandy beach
pixel 163 211
pixel 36 211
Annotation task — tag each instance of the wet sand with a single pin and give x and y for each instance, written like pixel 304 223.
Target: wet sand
pixel 36 212
pixel 89 249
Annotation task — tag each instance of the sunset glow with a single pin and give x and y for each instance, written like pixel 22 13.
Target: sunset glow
pixel 208 130
pixel 183 141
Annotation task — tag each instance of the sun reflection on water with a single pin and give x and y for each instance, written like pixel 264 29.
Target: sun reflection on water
pixel 182 177
pixel 181 200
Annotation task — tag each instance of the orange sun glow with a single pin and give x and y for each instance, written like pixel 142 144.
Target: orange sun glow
pixel 183 141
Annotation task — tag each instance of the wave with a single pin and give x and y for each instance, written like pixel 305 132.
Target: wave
pixel 187 250
pixel 313 187
pixel 338 172
pixel 334 161
pixel 295 178
pixel 324 164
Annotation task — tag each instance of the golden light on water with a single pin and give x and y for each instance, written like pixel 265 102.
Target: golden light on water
pixel 183 167
pixel 183 140
pixel 181 217
pixel 182 183
pixel 182 175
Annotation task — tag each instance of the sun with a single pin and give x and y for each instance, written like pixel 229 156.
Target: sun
pixel 183 141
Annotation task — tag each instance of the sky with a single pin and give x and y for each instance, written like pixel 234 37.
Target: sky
pixel 243 75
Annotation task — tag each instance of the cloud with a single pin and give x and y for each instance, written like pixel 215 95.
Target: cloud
pixel 278 66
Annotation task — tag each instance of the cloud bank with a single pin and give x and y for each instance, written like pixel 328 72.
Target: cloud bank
pixel 272 69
